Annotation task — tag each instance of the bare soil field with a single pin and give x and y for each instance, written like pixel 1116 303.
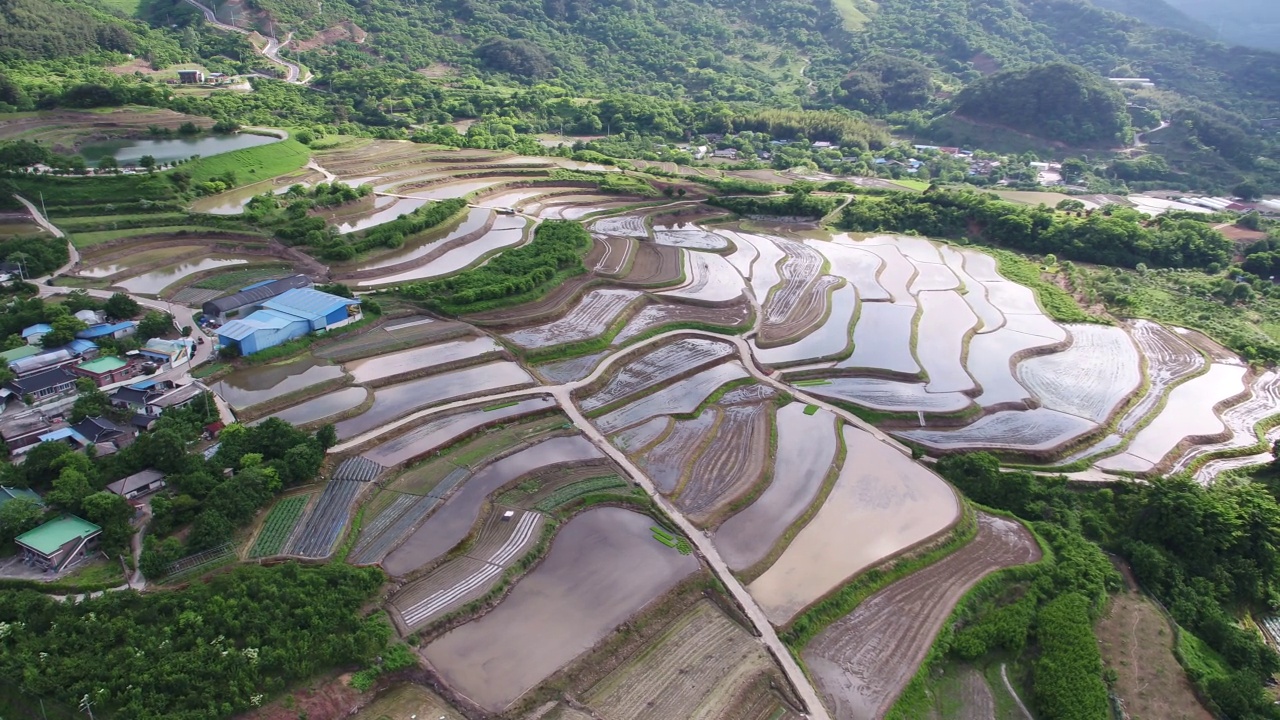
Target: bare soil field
pixel 618 251
pixel 698 668
pixel 653 316
pixel 881 504
pixel 554 304
pixel 653 265
pixel 408 700
pixel 862 661
pixel 732 463
pixel 602 568
pixel 1136 642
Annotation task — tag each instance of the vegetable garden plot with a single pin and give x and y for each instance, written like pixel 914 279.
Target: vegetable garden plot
pixel 697 668
pixel 830 339
pixel 882 339
pixel 861 662
pixel 680 397
pixel 670 460
pixel 602 568
pixel 856 265
pixel 450 524
pixel 440 432
pixel 711 280
pixel 589 318
pixel 881 504
pixel 390 526
pixel 933 277
pixel 689 237
pixel 515 536
pixel 406 361
pixel 731 464
pixel 1169 359
pixel 1090 378
pixel 625 225
pixel 764 271
pixel 806 447
pixel 1188 412
pixel 743 255
pixel 1015 430
pixel 658 366
pixel 1240 420
pixel 940 340
pixel 278 526
pixel 655 316
pixel 896 274
pixel 890 395
pixel 395 401
pixel 328 518
pixel 798 270
pixel 638 437
pixel 990 362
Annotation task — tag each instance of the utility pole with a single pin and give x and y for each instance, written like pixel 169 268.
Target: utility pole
pixel 87 705
pixel 43 211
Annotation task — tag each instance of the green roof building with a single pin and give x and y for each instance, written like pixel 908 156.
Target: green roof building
pixel 102 365
pixel 18 353
pixel 55 544
pixel 106 370
pixel 8 493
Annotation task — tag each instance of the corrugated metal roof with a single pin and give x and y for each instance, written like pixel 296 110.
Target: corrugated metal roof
pixel 104 329
pixel 80 347
pixel 37 329
pixel 63 434
pixel 259 320
pixel 255 293
pixel 19 352
pixel 308 303
pixel 102 365
pixel 51 536
pixel 25 365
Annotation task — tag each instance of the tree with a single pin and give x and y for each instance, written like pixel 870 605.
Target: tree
pixel 327 435
pixel 1074 170
pixel 1247 190
pixel 69 490
pixel 155 324
pixel 148 162
pixel 108 163
pixel 90 401
pixel 121 307
pixel 17 516
pixel 1071 205
pixel 112 513
pixel 64 331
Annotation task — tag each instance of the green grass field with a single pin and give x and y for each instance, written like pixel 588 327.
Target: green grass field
pixel 235 279
pixel 918 185
pixel 252 164
pixel 84 240
pixel 128 8
pixel 854 14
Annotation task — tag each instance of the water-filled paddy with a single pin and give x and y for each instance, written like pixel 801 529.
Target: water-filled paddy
pixel 829 339
pixel 593 314
pixel 441 431
pixel 890 395
pixel 680 397
pixel 940 338
pixel 882 503
pixel 473 221
pixel 806 448
pixel 1026 430
pixel 153 282
pixel 603 567
pixel 388 209
pixel 453 520
pixel 406 361
pixel 882 338
pixel 1090 378
pixel 252 385
pixel 319 408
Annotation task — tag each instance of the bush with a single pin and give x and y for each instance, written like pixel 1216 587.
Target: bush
pixel 1067 676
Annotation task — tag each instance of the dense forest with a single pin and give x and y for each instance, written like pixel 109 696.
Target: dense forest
pixel 1057 101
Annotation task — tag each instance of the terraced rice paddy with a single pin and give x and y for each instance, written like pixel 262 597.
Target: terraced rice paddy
pixel 1169 359
pixel 254 385
pixel 638 437
pixel 442 431
pixel 394 401
pixel 669 461
pixel 475 220
pixel 454 519
pixel 765 273
pixel 603 567
pixel 711 280
pixel 417 359
pixel 890 395
pixel 990 363
pixel 734 460
pixel 881 504
pixel 134 259
pixel 945 320
pixel 502 541
pixel 623 225
pixel 798 270
pixel 680 397
pixel 882 339
pixel 1037 430
pixel 856 265
pixel 862 661
pixel 455 259
pixel 388 208
pixel 1240 420
pixel 830 339
pixel 688 235
pixel 806 449
pixel 1089 379
pixel 590 318
pixel 1188 412
pixel 698 668
pixel 397 334
pixel 655 316
pixel 654 265
pixel 896 274
pixel 320 408
pixel 654 368
pixel 153 282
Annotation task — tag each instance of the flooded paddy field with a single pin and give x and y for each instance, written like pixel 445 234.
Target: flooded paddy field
pixel 1240 420
pixel 862 661
pixel 679 397
pixel 656 367
pixel 395 334
pixel 320 408
pixel 151 283
pixel 881 504
pixel 459 258
pixel 473 221
pixel 669 461
pixel 254 385
pixel 571 369
pixel 602 568
pixel 589 318
pixel 1038 430
pixel 882 339
pixel 945 320
pixel 807 445
pixel 454 519
pixel 1090 378
pixel 654 316
pixel 712 280
pixel 441 431
pixel 406 361
pixel 733 461
pixel 1170 358
pixel 856 265
pixel 830 339
pixel 149 257
pixel 394 401
pixel 890 395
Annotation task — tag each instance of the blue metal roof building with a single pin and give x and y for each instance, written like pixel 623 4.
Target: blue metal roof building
pixel 104 330
pixel 37 330
pixel 79 347
pixel 285 317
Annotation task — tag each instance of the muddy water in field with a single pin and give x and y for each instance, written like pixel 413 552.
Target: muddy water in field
pixel 881 504
pixel 940 340
pixel 438 432
pixel 393 401
pixel 382 366
pixel 451 523
pixel 603 567
pixel 469 223
pixel 157 280
pixel 458 258
pixel 830 338
pixel 882 338
pixel 254 385
pixel 806 449
pixel 322 407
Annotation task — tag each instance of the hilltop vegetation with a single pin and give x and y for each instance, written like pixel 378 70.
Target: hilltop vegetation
pixel 1058 101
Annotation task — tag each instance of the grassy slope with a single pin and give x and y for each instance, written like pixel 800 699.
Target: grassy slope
pixel 252 164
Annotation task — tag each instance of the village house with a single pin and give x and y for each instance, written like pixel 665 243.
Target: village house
pixel 138 484
pixel 109 370
pixel 111 330
pixel 58 543
pixel 44 386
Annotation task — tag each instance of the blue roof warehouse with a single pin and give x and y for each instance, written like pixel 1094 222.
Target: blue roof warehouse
pixel 287 316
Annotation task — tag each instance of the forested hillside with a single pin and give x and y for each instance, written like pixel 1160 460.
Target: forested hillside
pixel 1057 101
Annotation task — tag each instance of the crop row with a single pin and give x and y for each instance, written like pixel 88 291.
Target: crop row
pixel 390 526
pixel 327 519
pixel 578 489
pixel 278 525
